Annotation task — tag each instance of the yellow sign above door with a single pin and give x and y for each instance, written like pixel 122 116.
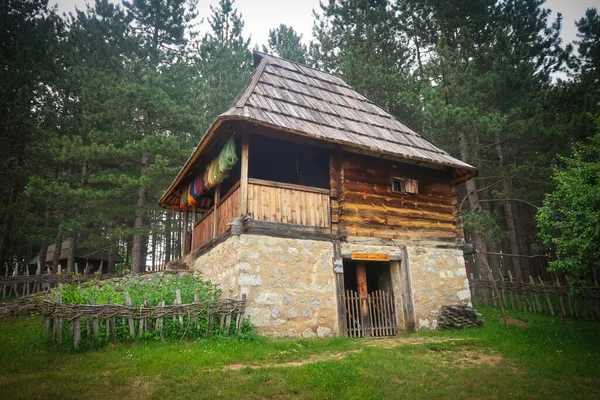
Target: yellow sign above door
pixel 370 257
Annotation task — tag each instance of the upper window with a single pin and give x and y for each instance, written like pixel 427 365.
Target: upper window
pixel 404 185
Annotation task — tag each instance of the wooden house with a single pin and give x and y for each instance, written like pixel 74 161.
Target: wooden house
pixel 87 259
pixel 332 216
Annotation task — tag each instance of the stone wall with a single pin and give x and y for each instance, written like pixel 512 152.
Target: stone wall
pixel 438 278
pixel 289 283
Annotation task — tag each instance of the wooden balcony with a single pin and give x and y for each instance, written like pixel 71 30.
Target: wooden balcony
pixel 267 201
pixel 288 203
pixel 214 224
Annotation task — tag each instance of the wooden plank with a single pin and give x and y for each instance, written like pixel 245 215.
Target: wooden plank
pixel 215 213
pixel 184 236
pixel 340 289
pixel 283 185
pixel 76 332
pixel 539 308
pixel 293 231
pixel 370 257
pixel 58 322
pixel 130 319
pixel 550 308
pixel 244 176
pixel 406 292
pixel 361 278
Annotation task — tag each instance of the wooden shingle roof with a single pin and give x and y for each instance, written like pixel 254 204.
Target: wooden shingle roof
pixel 298 98
pixel 295 98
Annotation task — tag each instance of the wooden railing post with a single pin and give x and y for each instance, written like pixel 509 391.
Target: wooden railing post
pixel 244 177
pixel 184 233
pixel 215 213
pixel 361 278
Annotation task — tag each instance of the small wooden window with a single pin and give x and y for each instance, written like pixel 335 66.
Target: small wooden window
pixel 404 185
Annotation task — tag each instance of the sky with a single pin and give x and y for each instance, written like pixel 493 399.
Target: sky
pixel 261 15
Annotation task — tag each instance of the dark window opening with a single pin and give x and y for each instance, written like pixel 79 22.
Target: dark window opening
pixel 404 185
pixel 379 276
pixel 398 185
pixel 287 162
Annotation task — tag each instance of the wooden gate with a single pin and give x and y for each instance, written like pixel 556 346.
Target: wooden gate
pixel 374 315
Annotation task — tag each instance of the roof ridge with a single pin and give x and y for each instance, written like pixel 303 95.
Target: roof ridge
pixel 263 55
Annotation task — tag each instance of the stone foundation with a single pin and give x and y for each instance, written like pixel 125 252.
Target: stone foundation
pixel 438 278
pixel 290 284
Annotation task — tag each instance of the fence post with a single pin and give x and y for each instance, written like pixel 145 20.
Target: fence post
pixel 178 302
pixel 58 322
pixel 576 314
pixel 5 282
pixel 26 282
pixel 240 315
pixel 47 326
pixel 229 311
pixel 109 322
pixel 76 332
pixel 196 301
pixel 94 321
pixel 502 291
pixel 13 287
pixel 162 336
pixel 130 319
pixel 547 298
pixel 535 301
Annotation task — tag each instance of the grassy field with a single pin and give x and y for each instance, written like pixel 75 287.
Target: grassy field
pixel 538 359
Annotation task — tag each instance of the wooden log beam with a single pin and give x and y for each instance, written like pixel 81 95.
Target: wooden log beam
pixel 244 176
pixel 361 278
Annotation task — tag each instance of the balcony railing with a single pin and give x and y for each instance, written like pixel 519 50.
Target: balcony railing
pixel 267 201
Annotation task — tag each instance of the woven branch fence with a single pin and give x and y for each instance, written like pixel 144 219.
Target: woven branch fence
pixel 115 321
pixel 540 297
pixel 24 285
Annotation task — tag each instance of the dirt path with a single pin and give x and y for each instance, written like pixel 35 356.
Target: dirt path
pixel 386 343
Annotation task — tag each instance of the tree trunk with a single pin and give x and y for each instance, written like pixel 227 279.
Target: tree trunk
pixel 509 214
pixel 8 221
pixel 168 237
pixel 110 266
pixel 71 256
pixel 474 204
pixel 154 242
pixel 57 251
pixel 138 262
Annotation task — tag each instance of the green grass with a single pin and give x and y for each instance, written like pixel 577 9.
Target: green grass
pixel 540 360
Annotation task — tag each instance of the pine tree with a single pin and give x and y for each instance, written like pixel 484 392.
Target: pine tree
pixel 364 42
pixel 224 59
pixel 285 42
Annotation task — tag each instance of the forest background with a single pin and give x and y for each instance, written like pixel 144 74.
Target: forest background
pixel 101 108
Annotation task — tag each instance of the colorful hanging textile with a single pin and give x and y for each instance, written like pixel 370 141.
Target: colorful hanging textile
pixel 191 200
pixel 214 174
pixel 227 157
pixel 198 188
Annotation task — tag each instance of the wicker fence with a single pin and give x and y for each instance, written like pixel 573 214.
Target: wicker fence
pixel 559 299
pixel 24 285
pixel 112 321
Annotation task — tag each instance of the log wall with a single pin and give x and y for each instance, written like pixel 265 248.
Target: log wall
pixel 364 205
